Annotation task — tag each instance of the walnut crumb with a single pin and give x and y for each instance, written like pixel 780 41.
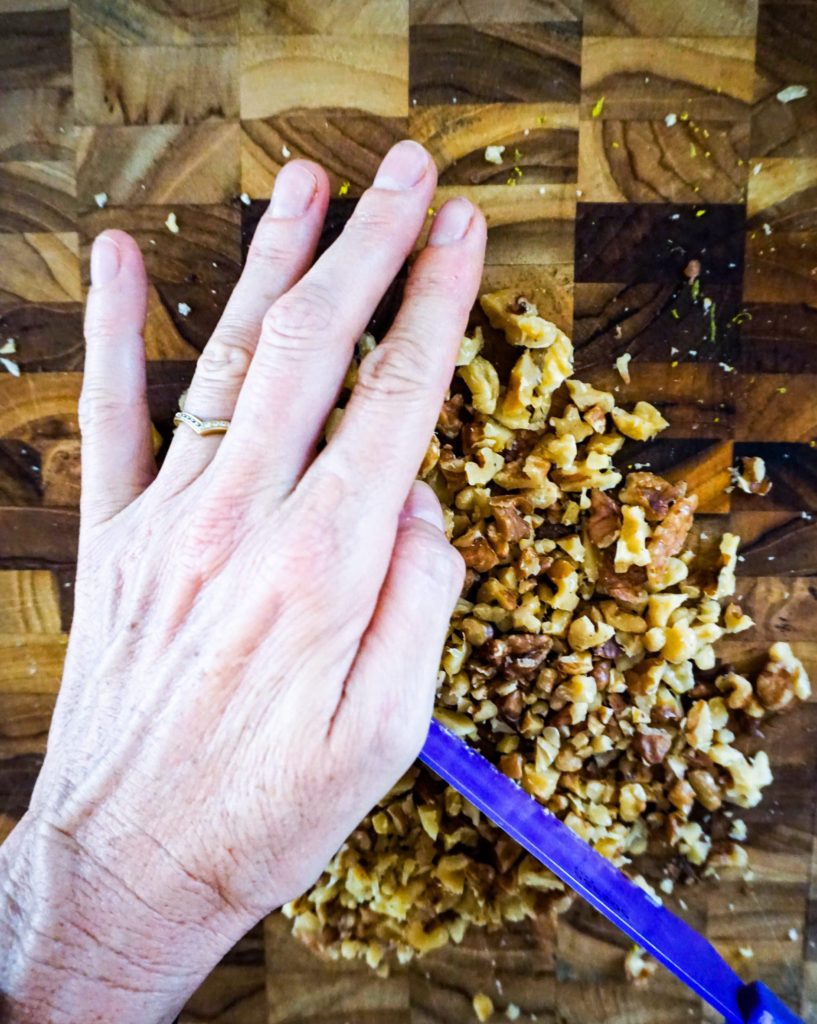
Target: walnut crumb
pixel 750 476
pixel 483 1006
pixel 581 658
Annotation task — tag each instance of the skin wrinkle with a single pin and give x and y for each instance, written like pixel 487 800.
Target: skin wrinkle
pixel 185 792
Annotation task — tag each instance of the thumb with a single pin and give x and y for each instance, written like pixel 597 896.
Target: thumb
pixel 389 694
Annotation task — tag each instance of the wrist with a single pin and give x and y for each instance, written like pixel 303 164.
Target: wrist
pixel 79 941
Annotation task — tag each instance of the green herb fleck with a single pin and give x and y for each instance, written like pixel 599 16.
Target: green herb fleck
pixel 599 106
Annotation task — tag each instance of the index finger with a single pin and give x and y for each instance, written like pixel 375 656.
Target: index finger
pixel 385 428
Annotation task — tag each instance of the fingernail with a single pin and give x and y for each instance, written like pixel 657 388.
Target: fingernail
pixel 104 261
pixel 451 222
pixel 422 504
pixel 402 167
pixel 294 189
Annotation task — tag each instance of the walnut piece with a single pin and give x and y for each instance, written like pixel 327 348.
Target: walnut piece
pixel 750 476
pixel 669 536
pixel 782 680
pixel 581 658
pixel 604 520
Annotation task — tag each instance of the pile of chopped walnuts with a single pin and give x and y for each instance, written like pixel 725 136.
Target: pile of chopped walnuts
pixel 580 659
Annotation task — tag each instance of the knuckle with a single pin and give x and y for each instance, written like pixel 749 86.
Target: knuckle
pixel 398 368
pixel 371 227
pixel 225 359
pixel 305 314
pixel 269 249
pixel 436 283
pixel 443 567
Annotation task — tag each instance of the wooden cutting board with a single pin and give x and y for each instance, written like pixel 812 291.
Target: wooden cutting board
pixel 638 134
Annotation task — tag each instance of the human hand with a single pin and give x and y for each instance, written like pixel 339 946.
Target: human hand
pixel 257 630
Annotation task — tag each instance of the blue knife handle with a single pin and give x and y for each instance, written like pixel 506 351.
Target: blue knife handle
pixel 671 940
pixel 759 1005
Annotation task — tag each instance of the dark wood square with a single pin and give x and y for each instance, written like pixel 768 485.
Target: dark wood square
pixel 494 63
pixel 36 49
pixel 637 242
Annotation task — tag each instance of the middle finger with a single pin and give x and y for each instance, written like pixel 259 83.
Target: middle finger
pixel 308 335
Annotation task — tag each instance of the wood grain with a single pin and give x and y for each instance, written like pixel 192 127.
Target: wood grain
pixel 494 63
pixel 540 140
pixel 781 244
pixel 708 79
pixel 235 992
pixel 134 166
pixel 786 36
pixel 654 242
pixel 649 161
pixel 476 12
pixel 716 18
pixel 792 470
pixel 38 406
pixel 324 17
pixel 776 405
pixel 779 338
pixel 47 335
pixel 40 267
pixel 35 538
pixel 29 602
pixel 37 124
pixel 140 99
pixel 24 721
pixel 655 321
pixel 704 467
pixel 776 543
pixel 157 22
pixel 697 398
pixel 37 196
pixel 36 49
pixel 282 72
pixel 31 663
pixel 524 226
pixel 349 145
pixel 115 84
pixel 199 266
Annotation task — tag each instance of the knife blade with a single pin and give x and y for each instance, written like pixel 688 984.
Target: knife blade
pixel 668 938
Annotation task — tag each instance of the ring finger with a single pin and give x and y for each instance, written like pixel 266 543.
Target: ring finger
pixel 282 249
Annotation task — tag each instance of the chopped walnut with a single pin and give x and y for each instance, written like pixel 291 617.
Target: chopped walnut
pixel 750 476
pixel 483 1006
pixel 669 536
pixel 519 319
pixel 642 424
pixel 604 521
pixel 631 547
pixel 477 553
pixel 449 422
pixel 431 457
pixel 483 382
pixel 692 270
pixel 470 348
pixel 652 747
pixel 581 658
pixel 783 680
pixel 652 493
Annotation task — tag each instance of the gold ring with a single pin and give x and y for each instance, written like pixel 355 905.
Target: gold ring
pixel 200 426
